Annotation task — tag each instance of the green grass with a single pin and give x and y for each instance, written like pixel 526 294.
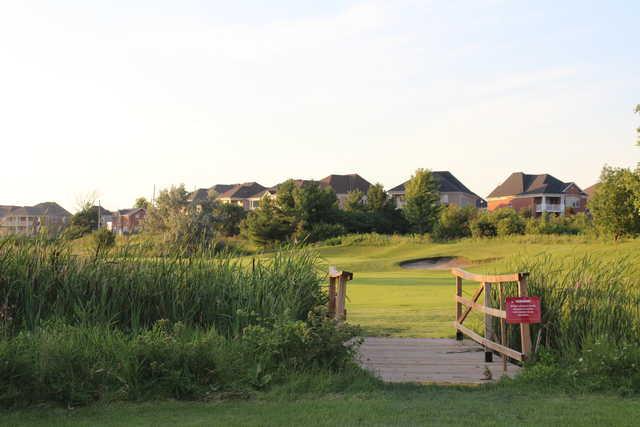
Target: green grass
pixel 387 406
pixel 387 300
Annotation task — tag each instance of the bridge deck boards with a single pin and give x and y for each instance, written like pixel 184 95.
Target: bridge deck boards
pixel 430 360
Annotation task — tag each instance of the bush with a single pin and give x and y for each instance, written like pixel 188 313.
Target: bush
pixel 76 365
pixel 454 222
pixel 483 226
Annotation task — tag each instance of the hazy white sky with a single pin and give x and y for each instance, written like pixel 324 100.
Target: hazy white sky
pixel 117 96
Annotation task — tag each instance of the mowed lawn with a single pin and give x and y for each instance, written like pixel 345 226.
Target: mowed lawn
pixel 388 300
pixel 386 406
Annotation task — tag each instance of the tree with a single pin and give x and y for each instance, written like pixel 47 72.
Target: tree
pixel 228 218
pixel 354 201
pixel 142 202
pixel 422 198
pixel 185 225
pixel 285 196
pixel 377 199
pixel 615 204
pixel 267 224
pixel 315 204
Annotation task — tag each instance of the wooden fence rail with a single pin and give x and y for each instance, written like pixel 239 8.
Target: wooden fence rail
pixel 338 296
pixel 464 306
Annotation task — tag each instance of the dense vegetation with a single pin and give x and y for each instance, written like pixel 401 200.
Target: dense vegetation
pixel 119 326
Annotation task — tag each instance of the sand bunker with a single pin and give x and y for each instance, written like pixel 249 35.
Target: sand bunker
pixel 435 263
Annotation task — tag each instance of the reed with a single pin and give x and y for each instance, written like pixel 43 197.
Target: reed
pixel 42 280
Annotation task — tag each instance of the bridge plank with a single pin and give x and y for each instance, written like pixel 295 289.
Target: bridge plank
pixel 429 360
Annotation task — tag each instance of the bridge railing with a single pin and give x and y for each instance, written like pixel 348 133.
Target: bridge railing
pixel 338 293
pixel 464 306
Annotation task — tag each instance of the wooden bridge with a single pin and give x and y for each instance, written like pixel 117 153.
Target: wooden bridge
pixel 446 361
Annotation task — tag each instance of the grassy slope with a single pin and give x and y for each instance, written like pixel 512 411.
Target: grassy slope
pixel 388 300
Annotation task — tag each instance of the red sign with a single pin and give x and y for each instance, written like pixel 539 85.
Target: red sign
pixel 523 310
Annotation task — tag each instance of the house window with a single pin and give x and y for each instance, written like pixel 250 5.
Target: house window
pixel 444 199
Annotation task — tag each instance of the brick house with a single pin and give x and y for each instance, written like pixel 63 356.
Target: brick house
pixel 537 193
pixel 127 221
pixel 452 192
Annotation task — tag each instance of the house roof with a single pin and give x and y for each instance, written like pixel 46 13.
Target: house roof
pixel 592 189
pixel 53 209
pixel 6 209
pixel 301 182
pixel 447 183
pixel 342 184
pixel 521 184
pixel 130 211
pixel 103 211
pixel 222 188
pixel 41 209
pixel 243 191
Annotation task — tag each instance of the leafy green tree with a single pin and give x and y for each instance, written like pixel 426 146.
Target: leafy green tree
pixel 314 204
pixel 422 201
pixel 142 202
pixel 285 196
pixel 228 218
pixel 354 202
pixel 85 220
pixel 267 224
pixel 615 204
pixel 377 199
pixel 185 225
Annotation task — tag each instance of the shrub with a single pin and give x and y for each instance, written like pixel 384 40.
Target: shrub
pixel 454 222
pixel 483 226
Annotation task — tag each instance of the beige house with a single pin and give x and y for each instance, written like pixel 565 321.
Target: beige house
pixel 30 220
pixel 452 192
pixel 247 195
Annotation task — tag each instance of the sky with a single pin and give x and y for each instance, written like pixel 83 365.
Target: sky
pixel 112 98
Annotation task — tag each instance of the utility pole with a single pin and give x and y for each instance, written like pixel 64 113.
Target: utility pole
pixel 99 215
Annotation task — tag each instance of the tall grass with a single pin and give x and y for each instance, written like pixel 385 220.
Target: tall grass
pixel 583 299
pixel 42 280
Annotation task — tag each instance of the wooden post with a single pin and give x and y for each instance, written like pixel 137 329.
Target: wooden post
pixel 488 323
pixel 341 298
pixel 459 334
pixel 332 297
pixel 503 336
pixel 525 332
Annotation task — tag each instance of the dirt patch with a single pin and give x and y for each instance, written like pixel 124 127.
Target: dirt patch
pixel 435 263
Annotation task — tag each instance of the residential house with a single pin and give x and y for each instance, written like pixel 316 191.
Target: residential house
pixel 202 194
pixel 452 192
pixel 30 220
pixel 342 185
pixel 127 221
pixel 538 193
pixel 247 195
pixel 105 217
